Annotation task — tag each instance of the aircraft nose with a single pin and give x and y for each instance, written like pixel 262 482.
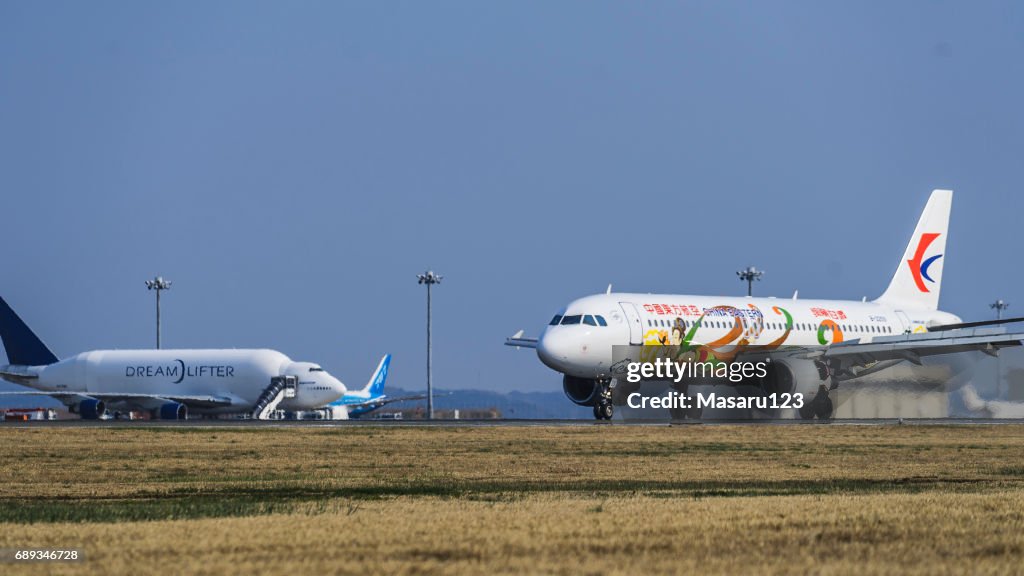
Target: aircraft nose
pixel 338 387
pixel 557 350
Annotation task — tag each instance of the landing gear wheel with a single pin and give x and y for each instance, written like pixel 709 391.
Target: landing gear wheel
pixel 823 410
pixel 677 413
pixel 807 411
pixel 694 412
pixel 603 409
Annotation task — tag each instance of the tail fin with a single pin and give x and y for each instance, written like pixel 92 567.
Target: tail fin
pixel 23 347
pixel 918 277
pixel 375 387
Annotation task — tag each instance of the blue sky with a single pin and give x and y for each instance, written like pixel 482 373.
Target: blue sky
pixel 293 166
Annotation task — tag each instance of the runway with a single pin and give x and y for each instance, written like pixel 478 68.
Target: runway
pixel 509 423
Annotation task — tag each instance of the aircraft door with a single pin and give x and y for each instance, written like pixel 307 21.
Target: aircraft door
pixel 904 319
pixel 636 328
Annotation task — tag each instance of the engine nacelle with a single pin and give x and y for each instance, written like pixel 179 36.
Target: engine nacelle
pixel 792 376
pixel 581 390
pixel 92 409
pixel 173 411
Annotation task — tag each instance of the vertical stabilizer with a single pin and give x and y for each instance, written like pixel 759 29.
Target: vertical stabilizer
pixel 23 347
pixel 375 387
pixel 918 277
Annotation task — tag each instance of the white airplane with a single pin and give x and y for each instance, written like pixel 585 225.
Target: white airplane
pixel 168 383
pixel 812 345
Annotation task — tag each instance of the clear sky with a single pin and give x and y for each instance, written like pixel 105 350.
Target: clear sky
pixel 292 166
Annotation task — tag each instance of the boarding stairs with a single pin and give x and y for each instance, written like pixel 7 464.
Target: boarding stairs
pixel 280 387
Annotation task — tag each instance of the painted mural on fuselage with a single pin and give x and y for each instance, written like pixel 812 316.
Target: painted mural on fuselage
pixel 719 328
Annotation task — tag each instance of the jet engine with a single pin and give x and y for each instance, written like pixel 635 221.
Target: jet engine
pixel 92 409
pixel 173 411
pixel 581 391
pixel 795 376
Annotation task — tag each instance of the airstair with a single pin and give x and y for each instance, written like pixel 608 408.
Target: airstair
pixel 281 387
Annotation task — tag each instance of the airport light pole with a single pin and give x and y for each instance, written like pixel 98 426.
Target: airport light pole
pixel 429 278
pixel 999 306
pixel 158 284
pixel 749 275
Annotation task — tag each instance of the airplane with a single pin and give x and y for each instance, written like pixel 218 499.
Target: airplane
pixel 810 346
pixel 356 403
pixel 167 383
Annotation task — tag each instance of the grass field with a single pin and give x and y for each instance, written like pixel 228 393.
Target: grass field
pixel 589 499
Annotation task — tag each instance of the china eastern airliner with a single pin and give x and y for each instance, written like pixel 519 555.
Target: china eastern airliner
pixel 167 383
pixel 811 345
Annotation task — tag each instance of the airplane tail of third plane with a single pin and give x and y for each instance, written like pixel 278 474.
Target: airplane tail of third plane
pixel 375 387
pixel 918 276
pixel 23 347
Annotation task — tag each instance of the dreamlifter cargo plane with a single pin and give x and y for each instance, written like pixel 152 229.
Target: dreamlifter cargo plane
pixel 811 346
pixel 168 383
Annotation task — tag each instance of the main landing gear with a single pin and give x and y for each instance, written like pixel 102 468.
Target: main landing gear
pixel 691 413
pixel 603 408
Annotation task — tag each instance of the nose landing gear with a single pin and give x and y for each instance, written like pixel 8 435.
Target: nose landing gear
pixel 603 408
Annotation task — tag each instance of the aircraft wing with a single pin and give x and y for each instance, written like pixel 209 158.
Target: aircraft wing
pixel 519 341
pixel 71 398
pixel 378 402
pixel 854 355
pixel 913 347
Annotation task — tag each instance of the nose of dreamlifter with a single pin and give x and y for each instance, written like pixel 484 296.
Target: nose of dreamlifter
pixel 337 388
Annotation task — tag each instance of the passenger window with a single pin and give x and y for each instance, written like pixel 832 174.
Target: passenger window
pixel 571 320
pixel 589 320
pixel 555 320
pixel 601 321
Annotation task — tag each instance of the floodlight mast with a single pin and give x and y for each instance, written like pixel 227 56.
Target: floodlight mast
pixel 429 278
pixel 999 306
pixel 748 275
pixel 158 284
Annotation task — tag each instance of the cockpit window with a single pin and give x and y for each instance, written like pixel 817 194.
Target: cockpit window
pixel 588 319
pixel 555 320
pixel 316 369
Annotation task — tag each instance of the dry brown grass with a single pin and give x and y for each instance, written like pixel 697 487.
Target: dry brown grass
pixel 727 499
